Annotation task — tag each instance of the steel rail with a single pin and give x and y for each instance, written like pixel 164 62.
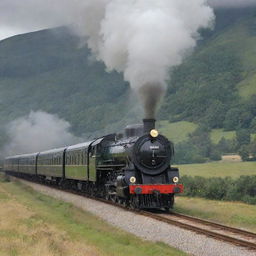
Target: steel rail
pixel 209 233
pixel 216 225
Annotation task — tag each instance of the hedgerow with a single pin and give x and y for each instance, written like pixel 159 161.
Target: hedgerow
pixel 242 189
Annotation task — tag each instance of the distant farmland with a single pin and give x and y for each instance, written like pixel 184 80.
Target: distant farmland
pixel 219 169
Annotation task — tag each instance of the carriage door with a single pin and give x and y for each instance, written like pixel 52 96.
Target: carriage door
pixel 92 163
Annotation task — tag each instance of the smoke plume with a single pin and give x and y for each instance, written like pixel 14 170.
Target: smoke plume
pixel 144 39
pixel 37 132
pixel 141 38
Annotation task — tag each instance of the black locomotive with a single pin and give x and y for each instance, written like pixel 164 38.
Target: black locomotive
pixel 132 168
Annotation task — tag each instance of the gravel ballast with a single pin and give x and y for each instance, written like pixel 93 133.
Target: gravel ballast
pixel 147 228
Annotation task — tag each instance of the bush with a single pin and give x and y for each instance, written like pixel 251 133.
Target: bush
pixel 242 189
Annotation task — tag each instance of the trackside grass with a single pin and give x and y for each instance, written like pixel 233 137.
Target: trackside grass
pixel 219 169
pixel 34 224
pixel 235 214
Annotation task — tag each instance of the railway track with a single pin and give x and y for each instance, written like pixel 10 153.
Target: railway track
pixel 214 230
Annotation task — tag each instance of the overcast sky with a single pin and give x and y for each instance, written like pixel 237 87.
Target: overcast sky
pixel 21 16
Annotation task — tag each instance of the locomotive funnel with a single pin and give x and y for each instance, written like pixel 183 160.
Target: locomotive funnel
pixel 149 124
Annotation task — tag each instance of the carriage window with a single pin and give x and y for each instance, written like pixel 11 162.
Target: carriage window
pixel 78 158
pixel 74 158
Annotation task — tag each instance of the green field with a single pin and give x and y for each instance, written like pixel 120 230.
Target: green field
pixel 229 213
pixel 219 169
pixel 247 87
pixel 35 224
pixel 178 131
pixel 217 134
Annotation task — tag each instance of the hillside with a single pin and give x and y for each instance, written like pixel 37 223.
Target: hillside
pixel 49 70
pixel 216 85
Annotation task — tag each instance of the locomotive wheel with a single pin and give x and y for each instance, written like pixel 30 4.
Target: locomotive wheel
pixel 134 203
pixel 114 198
pixel 126 203
pixel 167 209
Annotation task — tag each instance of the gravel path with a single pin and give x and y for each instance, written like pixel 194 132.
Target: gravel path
pixel 148 228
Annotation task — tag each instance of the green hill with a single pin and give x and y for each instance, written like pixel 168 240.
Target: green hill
pixel 216 85
pixel 48 71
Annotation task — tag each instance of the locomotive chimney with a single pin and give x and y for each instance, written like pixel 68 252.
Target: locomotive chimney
pixel 149 124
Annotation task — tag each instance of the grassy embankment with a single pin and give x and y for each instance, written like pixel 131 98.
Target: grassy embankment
pixel 235 214
pixel 35 224
pixel 230 213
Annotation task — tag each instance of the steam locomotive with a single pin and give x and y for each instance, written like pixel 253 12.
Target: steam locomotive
pixel 132 168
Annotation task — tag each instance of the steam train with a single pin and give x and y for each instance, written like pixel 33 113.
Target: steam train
pixel 132 168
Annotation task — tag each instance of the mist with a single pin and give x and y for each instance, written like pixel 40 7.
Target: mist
pixel 36 132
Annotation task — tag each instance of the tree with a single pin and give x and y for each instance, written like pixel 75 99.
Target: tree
pixel 252 148
pixel 186 152
pixel 244 152
pixel 243 137
pixel 201 139
pixel 232 119
pixel 215 114
pixel 253 125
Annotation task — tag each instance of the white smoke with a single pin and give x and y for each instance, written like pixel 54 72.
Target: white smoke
pixel 37 132
pixel 144 39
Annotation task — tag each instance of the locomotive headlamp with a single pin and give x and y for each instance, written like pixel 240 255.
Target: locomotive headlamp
pixel 175 179
pixel 154 133
pixel 132 179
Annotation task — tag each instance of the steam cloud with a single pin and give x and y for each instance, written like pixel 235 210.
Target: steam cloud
pixel 144 39
pixel 37 132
